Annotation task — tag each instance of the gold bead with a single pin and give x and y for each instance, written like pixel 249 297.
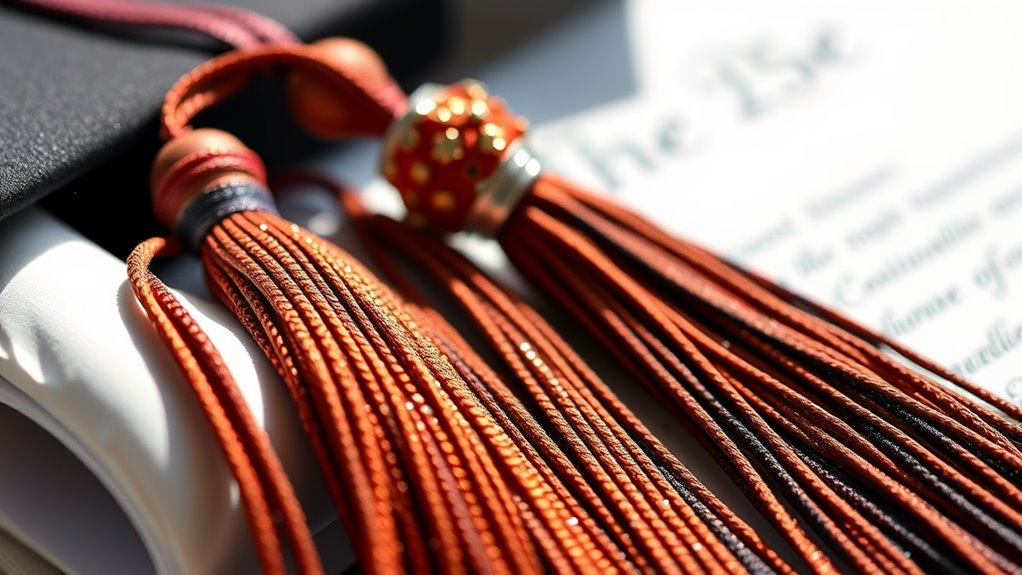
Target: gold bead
pixel 443 201
pixel 424 107
pixel 447 147
pixel 457 106
pixel 479 110
pixel 420 173
pixel 491 138
pixel 492 130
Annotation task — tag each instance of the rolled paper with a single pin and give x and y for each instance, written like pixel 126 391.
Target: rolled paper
pixel 84 363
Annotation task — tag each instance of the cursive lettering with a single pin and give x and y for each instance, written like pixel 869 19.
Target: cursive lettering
pixel 852 291
pixel 1000 341
pixel 896 324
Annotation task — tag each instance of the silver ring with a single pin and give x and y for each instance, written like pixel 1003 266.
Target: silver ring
pixel 498 195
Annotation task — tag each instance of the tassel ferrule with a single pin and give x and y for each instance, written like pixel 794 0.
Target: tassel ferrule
pixel 203 176
pixel 218 201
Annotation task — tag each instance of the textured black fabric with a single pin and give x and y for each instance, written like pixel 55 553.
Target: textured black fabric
pixel 75 96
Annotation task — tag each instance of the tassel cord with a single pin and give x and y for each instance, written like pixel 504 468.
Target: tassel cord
pixel 966 469
pixel 234 27
pixel 264 489
pixel 859 378
pixel 501 320
pixel 433 482
pixel 831 328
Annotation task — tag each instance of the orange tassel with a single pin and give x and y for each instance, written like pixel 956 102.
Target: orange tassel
pixel 878 458
pixel 423 469
pixel 433 463
pixel 805 409
pixel 265 490
pixel 639 493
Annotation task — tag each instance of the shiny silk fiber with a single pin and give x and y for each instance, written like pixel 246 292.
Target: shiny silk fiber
pixel 435 465
pixel 825 425
pixel 432 462
pixel 425 478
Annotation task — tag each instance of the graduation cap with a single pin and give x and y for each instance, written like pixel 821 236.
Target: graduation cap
pixel 78 101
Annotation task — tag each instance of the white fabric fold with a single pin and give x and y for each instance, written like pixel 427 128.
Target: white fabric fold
pixel 82 361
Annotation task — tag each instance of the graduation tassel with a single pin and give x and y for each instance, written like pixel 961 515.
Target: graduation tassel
pixel 382 408
pixel 417 491
pixel 652 505
pixel 806 410
pixel 812 415
pixel 895 472
pixel 594 489
pixel 266 493
pixel 316 316
pixel 434 465
pixel 424 476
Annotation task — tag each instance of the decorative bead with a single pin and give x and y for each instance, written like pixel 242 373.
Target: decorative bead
pixel 196 161
pixel 313 99
pixel 451 140
pixel 187 144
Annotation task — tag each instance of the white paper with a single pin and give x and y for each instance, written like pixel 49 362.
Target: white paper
pixel 867 154
pixel 78 356
pixel 52 504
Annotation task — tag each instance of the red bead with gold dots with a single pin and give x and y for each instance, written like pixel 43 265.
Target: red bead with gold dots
pixel 449 142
